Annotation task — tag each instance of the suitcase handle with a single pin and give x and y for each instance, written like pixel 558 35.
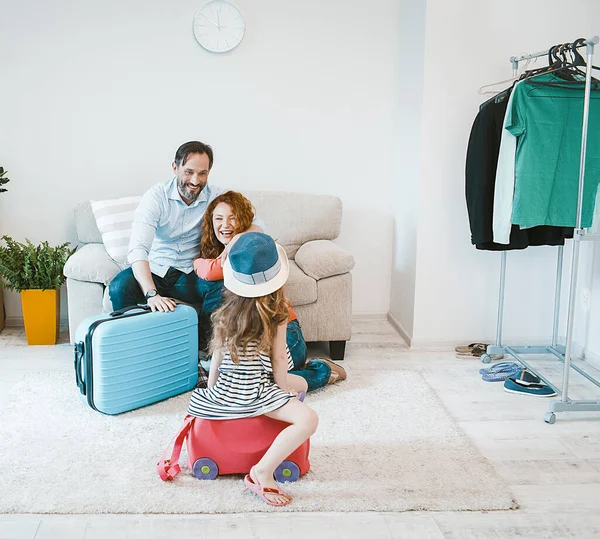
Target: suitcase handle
pixel 168 468
pixel 122 311
pixel 78 349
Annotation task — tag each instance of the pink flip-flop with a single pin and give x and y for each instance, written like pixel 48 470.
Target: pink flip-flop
pixel 260 491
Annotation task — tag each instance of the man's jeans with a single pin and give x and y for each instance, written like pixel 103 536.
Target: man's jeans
pixel 316 373
pixel 204 296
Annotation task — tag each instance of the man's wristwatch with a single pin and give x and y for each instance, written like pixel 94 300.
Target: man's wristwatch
pixel 151 293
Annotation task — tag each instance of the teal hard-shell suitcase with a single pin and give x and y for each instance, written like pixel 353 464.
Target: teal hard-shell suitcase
pixel 133 357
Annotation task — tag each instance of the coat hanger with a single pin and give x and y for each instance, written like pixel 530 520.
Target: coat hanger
pixel 564 62
pixel 579 60
pixel 567 76
pixel 483 90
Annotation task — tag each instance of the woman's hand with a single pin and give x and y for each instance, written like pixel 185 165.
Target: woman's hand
pixel 223 256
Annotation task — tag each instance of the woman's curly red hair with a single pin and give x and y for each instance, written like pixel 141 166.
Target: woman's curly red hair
pixel 242 209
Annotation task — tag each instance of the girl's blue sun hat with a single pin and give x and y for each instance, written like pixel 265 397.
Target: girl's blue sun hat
pixel 256 266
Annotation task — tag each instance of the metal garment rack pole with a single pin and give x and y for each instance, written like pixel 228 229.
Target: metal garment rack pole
pixel 560 352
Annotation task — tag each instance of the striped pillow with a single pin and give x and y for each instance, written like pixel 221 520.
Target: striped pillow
pixel 114 218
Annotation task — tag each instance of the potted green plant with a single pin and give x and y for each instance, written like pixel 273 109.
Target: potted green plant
pixel 36 271
pixel 3 181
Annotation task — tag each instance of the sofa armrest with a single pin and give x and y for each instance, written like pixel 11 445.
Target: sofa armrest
pixel 91 263
pixel 323 258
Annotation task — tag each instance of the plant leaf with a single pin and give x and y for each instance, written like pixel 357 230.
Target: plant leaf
pixel 32 267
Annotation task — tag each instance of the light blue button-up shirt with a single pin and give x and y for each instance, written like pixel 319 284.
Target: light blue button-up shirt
pixel 166 231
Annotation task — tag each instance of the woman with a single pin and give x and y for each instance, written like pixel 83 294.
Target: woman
pixel 226 216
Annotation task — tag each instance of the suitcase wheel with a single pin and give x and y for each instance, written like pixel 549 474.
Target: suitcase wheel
pixel 205 469
pixel 287 472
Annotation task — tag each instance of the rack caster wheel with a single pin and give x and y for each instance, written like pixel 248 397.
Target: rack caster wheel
pixel 485 358
pixel 550 417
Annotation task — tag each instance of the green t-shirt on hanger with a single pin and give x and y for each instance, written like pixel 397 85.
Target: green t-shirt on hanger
pixel 547 121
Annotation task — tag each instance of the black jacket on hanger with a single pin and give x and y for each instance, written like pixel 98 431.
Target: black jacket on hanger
pixel 480 181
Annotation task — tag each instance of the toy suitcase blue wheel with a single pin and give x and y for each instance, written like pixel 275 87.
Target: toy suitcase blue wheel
pixel 205 469
pixel 287 472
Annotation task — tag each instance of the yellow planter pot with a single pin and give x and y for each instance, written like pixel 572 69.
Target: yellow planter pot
pixel 41 314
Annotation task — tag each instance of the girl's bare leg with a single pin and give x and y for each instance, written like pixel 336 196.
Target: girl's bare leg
pixel 303 423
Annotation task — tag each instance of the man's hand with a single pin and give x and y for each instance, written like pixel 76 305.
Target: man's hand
pixel 158 303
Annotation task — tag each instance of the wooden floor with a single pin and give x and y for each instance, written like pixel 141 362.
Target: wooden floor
pixel 552 470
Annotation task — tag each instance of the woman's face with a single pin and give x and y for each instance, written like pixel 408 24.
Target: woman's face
pixel 224 222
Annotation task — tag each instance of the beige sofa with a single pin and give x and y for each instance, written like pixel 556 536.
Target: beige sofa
pixel 319 286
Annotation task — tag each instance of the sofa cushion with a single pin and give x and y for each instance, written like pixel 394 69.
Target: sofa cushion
pixel 322 258
pixel 91 263
pixel 300 289
pixel 114 219
pixel 85 223
pixel 291 218
pixel 295 218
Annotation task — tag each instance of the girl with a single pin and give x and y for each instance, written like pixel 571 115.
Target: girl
pixel 249 368
pixel 226 216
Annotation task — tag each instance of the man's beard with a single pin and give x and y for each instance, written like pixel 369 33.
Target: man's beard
pixel 187 193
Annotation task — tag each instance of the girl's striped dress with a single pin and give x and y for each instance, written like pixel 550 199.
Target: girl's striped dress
pixel 243 390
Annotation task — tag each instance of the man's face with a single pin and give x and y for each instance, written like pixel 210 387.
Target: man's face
pixel 192 176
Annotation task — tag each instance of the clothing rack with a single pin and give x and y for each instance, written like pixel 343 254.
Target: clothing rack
pixel 562 353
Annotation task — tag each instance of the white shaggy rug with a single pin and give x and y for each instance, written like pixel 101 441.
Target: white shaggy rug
pixel 384 443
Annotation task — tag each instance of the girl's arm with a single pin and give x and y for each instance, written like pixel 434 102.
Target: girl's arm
pixel 279 360
pixel 215 362
pixel 209 269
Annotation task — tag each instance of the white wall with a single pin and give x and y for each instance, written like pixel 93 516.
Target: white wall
pixel 374 105
pixel 587 317
pixel 96 98
pixel 468 44
pixel 406 187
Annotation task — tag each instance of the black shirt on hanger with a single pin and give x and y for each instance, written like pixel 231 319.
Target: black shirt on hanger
pixel 480 181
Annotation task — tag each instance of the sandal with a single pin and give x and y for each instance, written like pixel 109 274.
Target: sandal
pixel 502 366
pixel 514 385
pixel 475 350
pixel 502 373
pixel 260 491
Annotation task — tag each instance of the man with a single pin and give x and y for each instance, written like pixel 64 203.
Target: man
pixel 165 239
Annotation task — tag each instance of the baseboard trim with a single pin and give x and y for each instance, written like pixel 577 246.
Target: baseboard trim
pixel 399 328
pixel 590 357
pixel 433 345
pixel 17 322
pixel 577 350
pixel 357 317
pixel 441 345
pixel 14 322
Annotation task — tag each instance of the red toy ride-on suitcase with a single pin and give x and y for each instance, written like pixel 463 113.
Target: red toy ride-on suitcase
pixel 231 446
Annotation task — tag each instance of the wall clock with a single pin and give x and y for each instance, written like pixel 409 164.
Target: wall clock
pixel 219 26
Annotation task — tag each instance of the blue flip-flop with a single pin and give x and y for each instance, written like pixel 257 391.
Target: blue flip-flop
pixel 502 374
pixel 500 367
